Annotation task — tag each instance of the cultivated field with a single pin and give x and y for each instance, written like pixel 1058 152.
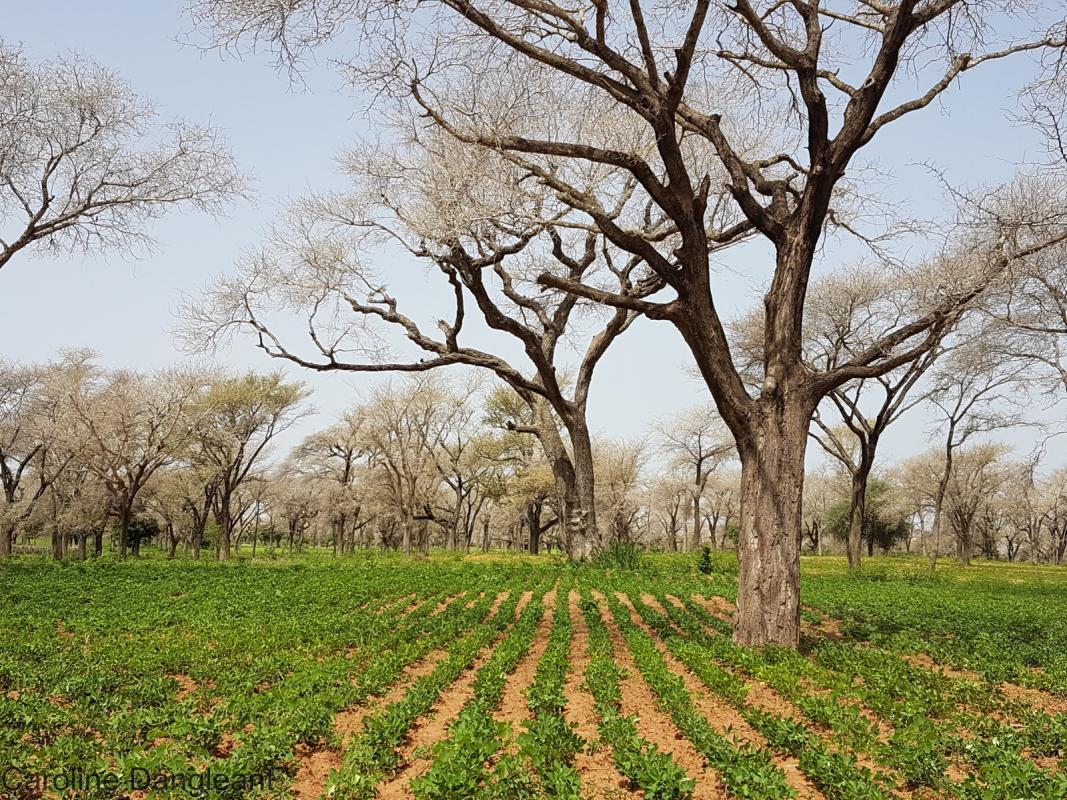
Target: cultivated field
pixel 510 678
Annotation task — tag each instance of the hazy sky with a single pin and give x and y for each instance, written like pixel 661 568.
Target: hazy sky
pixel 288 140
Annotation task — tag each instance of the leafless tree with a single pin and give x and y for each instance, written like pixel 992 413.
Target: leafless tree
pixel 977 392
pixel 85 164
pixel 698 441
pixel 334 456
pixel 126 426
pixel 440 204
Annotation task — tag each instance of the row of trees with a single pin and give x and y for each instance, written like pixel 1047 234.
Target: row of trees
pixel 185 457
pixel 81 446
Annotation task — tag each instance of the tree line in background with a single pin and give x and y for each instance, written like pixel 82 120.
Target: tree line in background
pixel 183 458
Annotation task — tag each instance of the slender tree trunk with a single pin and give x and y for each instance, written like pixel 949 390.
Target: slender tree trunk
pixel 223 520
pixel 98 542
pixel 224 545
pixel 125 513
pixel 939 504
pixel 57 545
pixel 772 483
pixel 82 540
pixel 857 513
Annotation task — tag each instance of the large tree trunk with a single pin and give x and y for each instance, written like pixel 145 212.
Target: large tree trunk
pixel 7 538
pixel 98 542
pixel 772 483
pixel 573 478
pixel 533 525
pixel 966 545
pixel 582 516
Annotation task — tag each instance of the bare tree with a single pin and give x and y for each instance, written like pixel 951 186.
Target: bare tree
pixel 976 392
pixel 847 312
pixel 668 498
pixel 79 169
pixel 659 98
pixel 1032 314
pixel 127 426
pixel 698 441
pixel 22 440
pixel 334 456
pixel 484 237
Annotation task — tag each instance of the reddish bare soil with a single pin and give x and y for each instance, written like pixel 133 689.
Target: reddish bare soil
pixel 723 717
pixel 186 686
pixel 718 606
pixel 600 778
pixel 434 727
pixel 639 700
pixel 1036 698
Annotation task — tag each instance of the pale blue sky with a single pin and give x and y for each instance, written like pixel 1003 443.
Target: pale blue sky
pixel 288 139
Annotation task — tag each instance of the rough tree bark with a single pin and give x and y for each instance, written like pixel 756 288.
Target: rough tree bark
pixel 772 483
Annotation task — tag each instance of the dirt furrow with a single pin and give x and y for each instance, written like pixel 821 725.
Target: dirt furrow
pixel 638 700
pixel 434 727
pixel 1036 698
pixel 315 766
pixel 513 707
pixel 722 716
pixel 444 604
pixel 601 779
pixel 595 765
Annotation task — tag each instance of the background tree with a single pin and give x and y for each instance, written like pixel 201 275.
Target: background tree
pixel 697 441
pixel 427 201
pixel 846 313
pixel 884 523
pixel 334 455
pixel 237 419
pixel 85 164
pixel 131 425
pixel 976 391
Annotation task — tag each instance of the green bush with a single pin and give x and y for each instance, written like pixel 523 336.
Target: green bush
pixel 620 555
pixel 704 563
